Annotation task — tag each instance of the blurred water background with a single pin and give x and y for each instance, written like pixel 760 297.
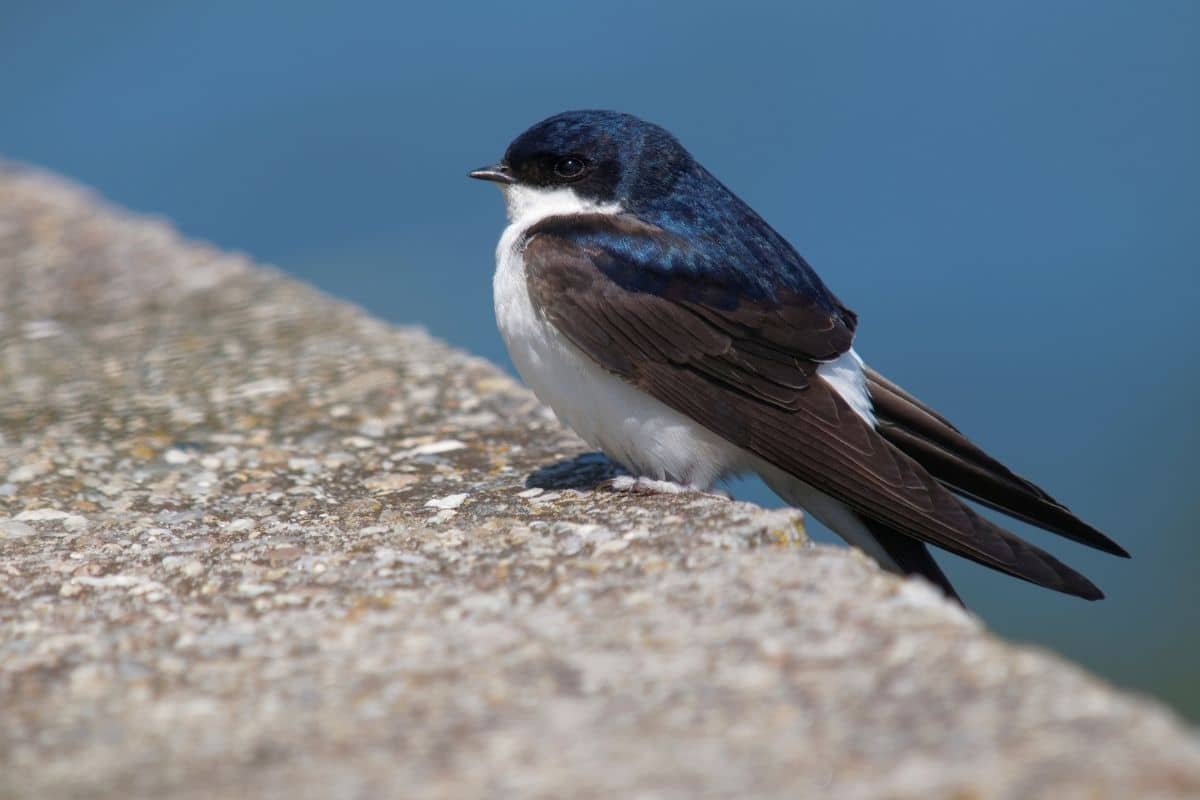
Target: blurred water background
pixel 1007 193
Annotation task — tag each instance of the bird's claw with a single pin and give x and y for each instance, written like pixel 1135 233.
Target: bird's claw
pixel 644 485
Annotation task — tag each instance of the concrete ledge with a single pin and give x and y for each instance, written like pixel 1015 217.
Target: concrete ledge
pixel 255 543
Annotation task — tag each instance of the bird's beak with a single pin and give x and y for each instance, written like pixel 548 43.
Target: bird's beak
pixel 499 173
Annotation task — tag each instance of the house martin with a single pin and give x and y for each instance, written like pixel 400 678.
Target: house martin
pixel 671 327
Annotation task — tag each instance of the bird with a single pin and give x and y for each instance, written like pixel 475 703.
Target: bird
pixel 672 328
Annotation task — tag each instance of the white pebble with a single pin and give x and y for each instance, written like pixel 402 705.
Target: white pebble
pixel 109 581
pixel 42 515
pixel 25 473
pixel 264 387
pixel 41 329
pixel 447 502
pixel 433 448
pixel 72 522
pixel 373 428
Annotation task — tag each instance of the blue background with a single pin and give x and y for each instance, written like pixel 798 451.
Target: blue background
pixel 1007 193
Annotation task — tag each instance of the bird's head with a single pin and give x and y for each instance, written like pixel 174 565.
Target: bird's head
pixel 600 157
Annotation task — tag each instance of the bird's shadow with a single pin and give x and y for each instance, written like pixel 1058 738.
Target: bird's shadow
pixel 583 472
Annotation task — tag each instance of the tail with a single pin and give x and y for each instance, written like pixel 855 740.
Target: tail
pixel 894 551
pixel 910 557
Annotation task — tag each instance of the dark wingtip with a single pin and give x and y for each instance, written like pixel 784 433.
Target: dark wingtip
pixel 1087 535
pixel 1076 584
pixel 1118 551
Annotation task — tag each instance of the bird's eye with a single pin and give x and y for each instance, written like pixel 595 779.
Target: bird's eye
pixel 569 167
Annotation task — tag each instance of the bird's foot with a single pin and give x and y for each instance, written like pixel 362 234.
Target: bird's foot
pixel 644 485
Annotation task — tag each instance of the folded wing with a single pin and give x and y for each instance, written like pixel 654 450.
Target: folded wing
pixel 743 367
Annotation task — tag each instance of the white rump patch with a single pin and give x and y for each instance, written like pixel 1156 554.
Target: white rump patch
pixel 845 375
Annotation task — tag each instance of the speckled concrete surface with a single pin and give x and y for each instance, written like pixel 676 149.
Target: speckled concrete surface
pixel 254 543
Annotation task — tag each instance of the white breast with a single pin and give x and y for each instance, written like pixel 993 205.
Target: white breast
pixel 629 426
